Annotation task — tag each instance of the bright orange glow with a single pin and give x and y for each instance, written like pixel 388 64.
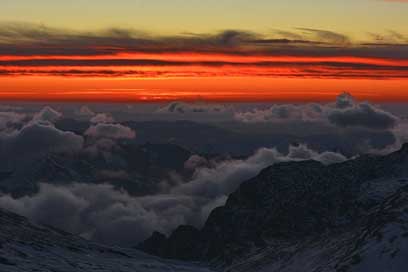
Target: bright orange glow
pixel 147 77
pixel 201 88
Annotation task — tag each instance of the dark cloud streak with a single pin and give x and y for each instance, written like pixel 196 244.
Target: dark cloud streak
pixel 35 40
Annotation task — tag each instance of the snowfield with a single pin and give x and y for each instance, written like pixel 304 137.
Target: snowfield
pixel 28 247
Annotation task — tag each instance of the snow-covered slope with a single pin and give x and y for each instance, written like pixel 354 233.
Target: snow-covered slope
pixel 378 243
pixel 28 247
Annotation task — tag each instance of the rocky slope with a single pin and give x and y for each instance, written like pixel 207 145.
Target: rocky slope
pixel 28 247
pixel 304 216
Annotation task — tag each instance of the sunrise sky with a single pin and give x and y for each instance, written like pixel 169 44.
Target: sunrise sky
pixel 216 50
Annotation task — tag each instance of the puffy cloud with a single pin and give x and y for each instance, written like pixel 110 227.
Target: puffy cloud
pixel 363 115
pixel 85 111
pixel 367 126
pixel 101 213
pixel 102 139
pixel 196 161
pixel 225 176
pixel 302 152
pixel 103 147
pixel 103 118
pixel 110 131
pixel 10 118
pixel 25 140
pixel 344 113
pixel 282 113
pixel 35 139
pixel 47 114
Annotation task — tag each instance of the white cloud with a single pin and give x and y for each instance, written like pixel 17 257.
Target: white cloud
pixel 110 131
pixel 110 216
pixel 102 118
pixel 36 139
pixel 10 118
pixel 85 111
pixel 344 113
pixel 47 114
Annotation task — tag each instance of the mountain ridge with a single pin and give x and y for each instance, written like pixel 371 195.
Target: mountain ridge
pixel 290 201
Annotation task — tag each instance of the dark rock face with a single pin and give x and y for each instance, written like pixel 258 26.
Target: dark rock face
pixel 287 201
pixel 155 245
pixel 181 244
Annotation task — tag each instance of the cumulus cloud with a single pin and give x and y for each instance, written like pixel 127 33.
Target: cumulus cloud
pixel 104 147
pixel 101 213
pixel 110 131
pixel 225 176
pixel 84 111
pixel 102 118
pixel 344 113
pixel 367 125
pixel 282 113
pixel 47 114
pixel 102 139
pixel 196 161
pixel 8 119
pixel 93 211
pixel 363 115
pixel 35 139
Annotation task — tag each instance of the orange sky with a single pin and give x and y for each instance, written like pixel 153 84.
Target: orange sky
pixel 148 77
pixel 38 62
pixel 199 88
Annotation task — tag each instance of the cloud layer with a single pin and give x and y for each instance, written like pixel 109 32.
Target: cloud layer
pixel 344 113
pixel 28 49
pixel 101 213
pixel 105 214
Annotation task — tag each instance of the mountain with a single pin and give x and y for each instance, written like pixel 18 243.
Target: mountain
pixel 241 139
pixel 137 169
pixel 305 216
pixel 28 247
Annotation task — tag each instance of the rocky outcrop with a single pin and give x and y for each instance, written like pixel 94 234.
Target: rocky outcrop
pixel 292 202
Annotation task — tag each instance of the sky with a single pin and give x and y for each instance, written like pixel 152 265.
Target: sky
pixel 215 50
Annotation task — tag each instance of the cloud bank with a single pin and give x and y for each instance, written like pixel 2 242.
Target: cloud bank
pixel 29 49
pixel 344 113
pixel 104 214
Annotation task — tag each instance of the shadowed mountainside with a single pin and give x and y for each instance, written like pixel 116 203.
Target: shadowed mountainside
pixel 339 216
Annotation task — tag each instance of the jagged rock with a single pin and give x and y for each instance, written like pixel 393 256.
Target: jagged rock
pixel 289 206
